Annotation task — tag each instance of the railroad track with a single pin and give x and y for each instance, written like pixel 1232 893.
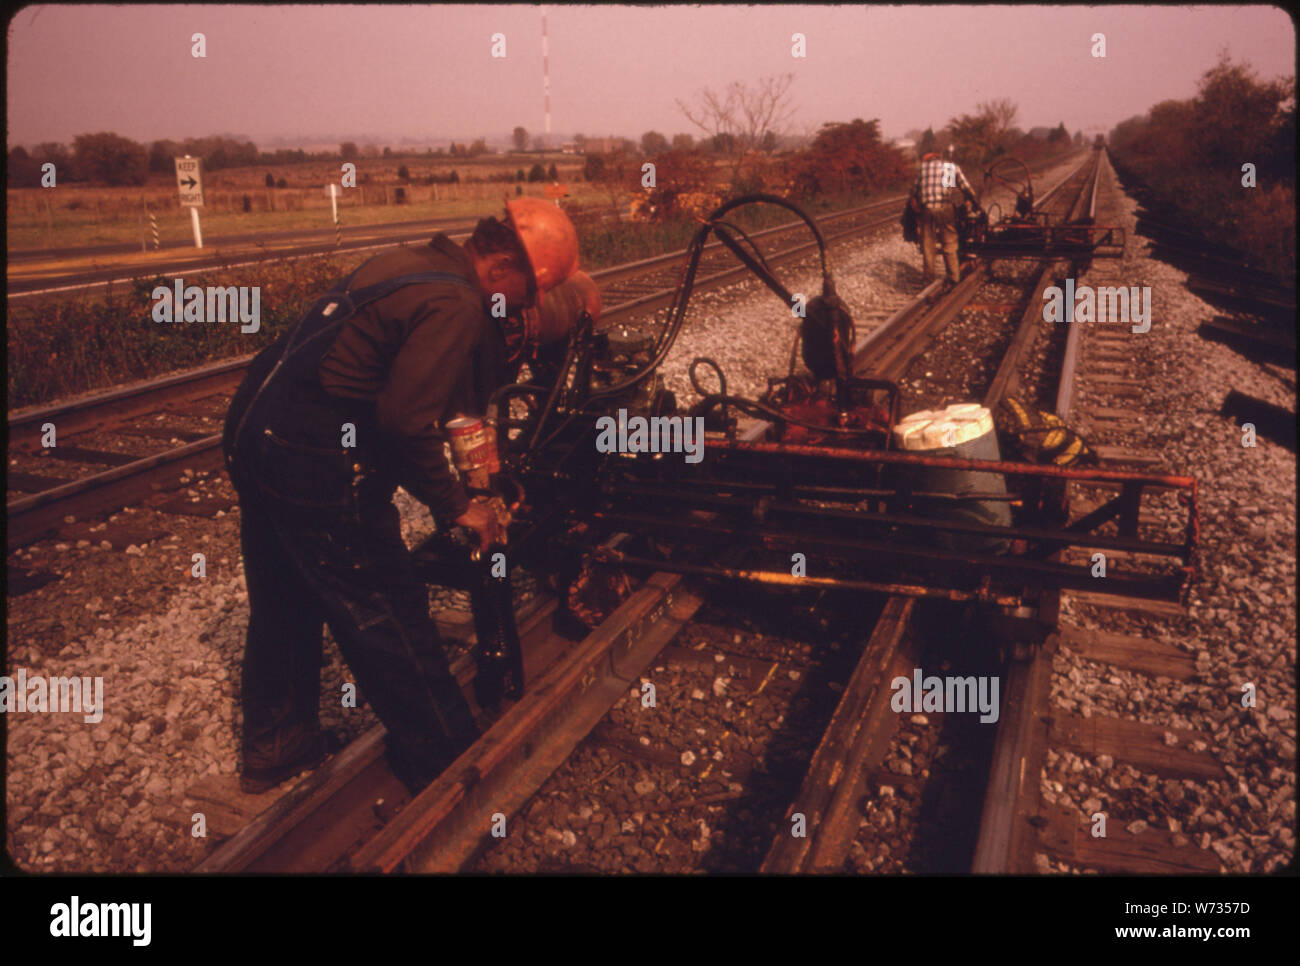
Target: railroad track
pixel 134 444
pixel 1029 824
pixel 373 827
pixel 184 411
pixel 352 814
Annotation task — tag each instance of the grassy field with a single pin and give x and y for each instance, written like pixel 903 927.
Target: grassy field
pixel 72 216
pixel 60 345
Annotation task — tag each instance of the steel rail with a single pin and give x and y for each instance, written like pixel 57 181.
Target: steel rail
pixel 21 421
pixel 857 739
pixel 443 826
pixel 1007 379
pixel 854 742
pixel 81 409
pixel 272 840
pixel 1005 828
pixel 1073 338
pixel 33 515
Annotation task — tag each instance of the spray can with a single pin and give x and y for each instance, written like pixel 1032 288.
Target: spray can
pixel 473 450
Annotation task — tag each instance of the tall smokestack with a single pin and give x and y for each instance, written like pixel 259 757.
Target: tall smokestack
pixel 546 78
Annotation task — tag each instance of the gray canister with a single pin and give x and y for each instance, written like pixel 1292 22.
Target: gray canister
pixel 964 431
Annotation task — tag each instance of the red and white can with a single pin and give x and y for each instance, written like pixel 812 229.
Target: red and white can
pixel 473 449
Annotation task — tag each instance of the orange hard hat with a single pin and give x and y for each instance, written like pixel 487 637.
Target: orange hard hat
pixel 549 240
pixel 558 310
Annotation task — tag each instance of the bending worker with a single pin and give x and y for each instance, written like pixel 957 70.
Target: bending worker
pixel 330 419
pixel 938 189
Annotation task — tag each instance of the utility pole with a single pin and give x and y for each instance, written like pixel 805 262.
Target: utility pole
pixel 546 80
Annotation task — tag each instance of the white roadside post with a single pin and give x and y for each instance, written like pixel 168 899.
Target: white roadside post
pixel 189 182
pixel 334 208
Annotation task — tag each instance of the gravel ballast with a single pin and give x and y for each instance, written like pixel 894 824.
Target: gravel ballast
pixel 110 796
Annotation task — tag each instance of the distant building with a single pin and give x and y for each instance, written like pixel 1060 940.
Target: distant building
pixel 603 145
pixel 1040 133
pixel 906 145
pixel 569 147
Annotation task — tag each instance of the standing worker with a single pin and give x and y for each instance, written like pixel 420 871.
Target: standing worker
pixel 934 198
pixel 330 419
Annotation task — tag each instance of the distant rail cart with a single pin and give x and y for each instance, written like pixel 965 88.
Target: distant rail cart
pixel 1099 143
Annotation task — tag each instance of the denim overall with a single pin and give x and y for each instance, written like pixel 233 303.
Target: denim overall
pixel 322 544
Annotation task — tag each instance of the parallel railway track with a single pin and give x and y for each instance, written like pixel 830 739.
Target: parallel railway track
pixel 39 502
pixel 39 507
pixel 1022 829
pixel 351 814
pixel 444 827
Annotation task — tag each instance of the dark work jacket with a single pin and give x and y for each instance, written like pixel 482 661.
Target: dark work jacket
pixel 420 356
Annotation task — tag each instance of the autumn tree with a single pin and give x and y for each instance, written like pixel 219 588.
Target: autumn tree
pixel 110 158
pixel 846 158
pixel 984 135
pixel 1238 117
pixel 161 154
pixel 652 142
pixel 57 155
pixel 23 171
pixel 683 184
pixel 739 117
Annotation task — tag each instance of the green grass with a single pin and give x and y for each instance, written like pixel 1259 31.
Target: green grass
pixel 60 346
pixel 80 227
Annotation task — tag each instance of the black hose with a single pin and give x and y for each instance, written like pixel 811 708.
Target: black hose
pixel 677 313
pixel 722 380
pixel 705 360
pixel 677 310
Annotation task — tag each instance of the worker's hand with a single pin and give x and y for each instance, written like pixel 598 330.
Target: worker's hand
pixel 481 518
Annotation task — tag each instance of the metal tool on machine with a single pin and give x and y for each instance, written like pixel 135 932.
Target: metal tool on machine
pixel 1027 233
pixel 819 477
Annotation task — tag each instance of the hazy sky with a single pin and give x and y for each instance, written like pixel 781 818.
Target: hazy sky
pixel 425 71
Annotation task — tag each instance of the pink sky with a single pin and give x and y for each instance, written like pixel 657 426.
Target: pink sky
pixel 424 71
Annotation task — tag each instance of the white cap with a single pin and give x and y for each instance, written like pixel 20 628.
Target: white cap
pixel 959 423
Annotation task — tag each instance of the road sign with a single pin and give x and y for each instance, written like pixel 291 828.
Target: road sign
pixel 189 181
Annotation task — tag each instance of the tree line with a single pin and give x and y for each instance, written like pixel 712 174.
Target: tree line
pixel 747 146
pixel 1225 156
pixel 108 158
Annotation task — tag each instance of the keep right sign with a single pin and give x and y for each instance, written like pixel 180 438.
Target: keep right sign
pixel 189 181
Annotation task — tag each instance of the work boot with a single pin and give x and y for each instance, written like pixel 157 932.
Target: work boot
pixel 297 753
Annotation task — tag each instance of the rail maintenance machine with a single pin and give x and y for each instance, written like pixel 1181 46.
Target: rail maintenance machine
pixel 813 472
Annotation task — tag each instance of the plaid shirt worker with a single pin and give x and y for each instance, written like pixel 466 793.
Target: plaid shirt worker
pixel 937 217
pixel 929 183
